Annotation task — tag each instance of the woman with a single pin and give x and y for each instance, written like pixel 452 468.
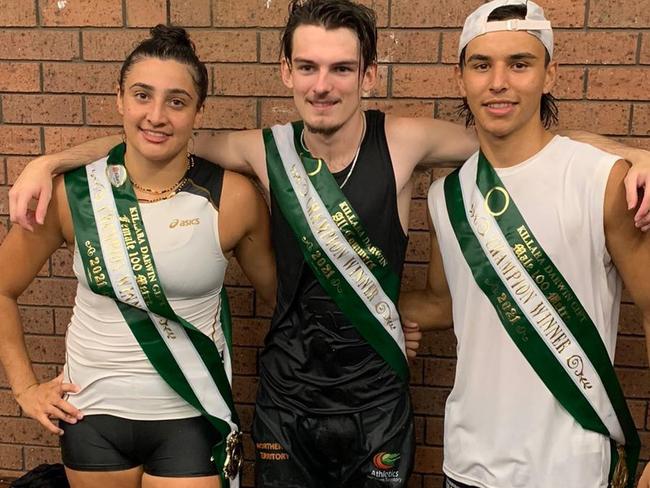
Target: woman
pixel 151 228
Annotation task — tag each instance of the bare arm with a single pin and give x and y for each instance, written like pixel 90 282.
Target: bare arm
pixel 630 251
pixel 638 177
pixel 240 151
pixel 35 182
pixel 430 308
pixel 22 254
pixel 245 225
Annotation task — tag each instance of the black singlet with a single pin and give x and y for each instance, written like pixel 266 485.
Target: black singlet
pixel 315 361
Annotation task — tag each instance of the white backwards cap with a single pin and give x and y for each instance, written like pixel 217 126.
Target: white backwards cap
pixel 535 24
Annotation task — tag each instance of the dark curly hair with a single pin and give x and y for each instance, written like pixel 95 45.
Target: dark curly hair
pixel 170 43
pixel 333 14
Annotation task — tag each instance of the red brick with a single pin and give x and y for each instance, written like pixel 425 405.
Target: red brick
pixel 449 54
pixel 62 263
pixel 428 401
pixel 80 78
pixel 102 110
pixel 638 409
pixel 448 110
pixel 226 46
pixel 380 7
pixel 618 83
pixel 241 301
pixel 146 13
pixel 25 431
pixel 439 343
pixel 404 46
pixel 11 457
pixel 244 389
pixel 439 372
pixel 37 320
pixel 17 13
pixel 270 46
pixel 619 13
pixel 42 109
pixel 35 456
pixel 19 77
pixel 381 85
pixel 3 229
pixel 20 140
pixel 599 117
pixel 424 13
pixel 15 165
pixel 401 107
pixel 631 351
pixel 419 428
pixel 428 459
pixel 62 320
pixel 8 406
pixel 630 320
pixel 565 13
pixel 244 361
pixel 45 349
pixel 235 275
pixel 263 309
pixel 249 13
pixel 421 182
pixel 635 382
pixel 416 368
pixel 424 81
pixel 190 13
pixel 418 247
pixel 645 49
pixel 59 138
pixel 418 218
pixel 641 120
pixel 278 111
pixel 82 13
pixel 252 80
pixel 435 431
pixel 4 200
pixel 598 47
pixel 110 45
pixel 38 44
pixel 249 332
pixel 570 83
pixel 49 292
pixel 229 113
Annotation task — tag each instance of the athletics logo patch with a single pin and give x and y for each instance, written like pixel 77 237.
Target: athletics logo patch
pixel 386 466
pixel 385 460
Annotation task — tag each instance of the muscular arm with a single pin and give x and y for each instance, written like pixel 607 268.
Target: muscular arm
pixel 22 254
pixel 630 252
pixel 243 210
pixel 430 308
pixel 638 177
pixel 425 141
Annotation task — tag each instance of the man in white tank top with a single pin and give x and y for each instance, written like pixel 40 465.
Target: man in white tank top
pixel 530 242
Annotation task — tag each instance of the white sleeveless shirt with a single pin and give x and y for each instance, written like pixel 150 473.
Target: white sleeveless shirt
pixel 503 427
pixel 102 355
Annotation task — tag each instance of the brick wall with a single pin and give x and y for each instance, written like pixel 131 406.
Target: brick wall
pixel 58 65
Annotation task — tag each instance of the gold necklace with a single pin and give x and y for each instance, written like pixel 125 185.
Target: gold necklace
pixel 172 188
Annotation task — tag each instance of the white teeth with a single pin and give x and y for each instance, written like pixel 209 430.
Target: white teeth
pixel 499 105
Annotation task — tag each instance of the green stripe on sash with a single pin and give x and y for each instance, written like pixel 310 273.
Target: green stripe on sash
pixel 330 278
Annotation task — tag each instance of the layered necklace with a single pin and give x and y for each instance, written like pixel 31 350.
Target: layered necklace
pixel 165 193
pixel 356 153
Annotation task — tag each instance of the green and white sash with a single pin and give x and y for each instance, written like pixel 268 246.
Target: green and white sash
pixel 539 310
pixel 117 258
pixel 352 270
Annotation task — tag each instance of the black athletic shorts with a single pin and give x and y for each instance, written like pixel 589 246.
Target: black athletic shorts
pixel 371 449
pixel 171 448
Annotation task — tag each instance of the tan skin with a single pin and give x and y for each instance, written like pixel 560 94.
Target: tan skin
pixel 501 78
pixel 244 231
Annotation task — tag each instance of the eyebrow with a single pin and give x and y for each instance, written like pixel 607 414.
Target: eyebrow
pixel 345 62
pixel 172 91
pixel 512 57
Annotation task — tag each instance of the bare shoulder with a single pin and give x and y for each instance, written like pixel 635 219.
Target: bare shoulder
pixel 240 197
pixel 618 219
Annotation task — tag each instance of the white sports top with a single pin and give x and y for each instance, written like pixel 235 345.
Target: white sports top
pixel 102 355
pixel 503 428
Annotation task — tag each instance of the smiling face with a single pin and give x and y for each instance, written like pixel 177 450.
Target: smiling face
pixel 324 75
pixel 158 104
pixel 503 79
